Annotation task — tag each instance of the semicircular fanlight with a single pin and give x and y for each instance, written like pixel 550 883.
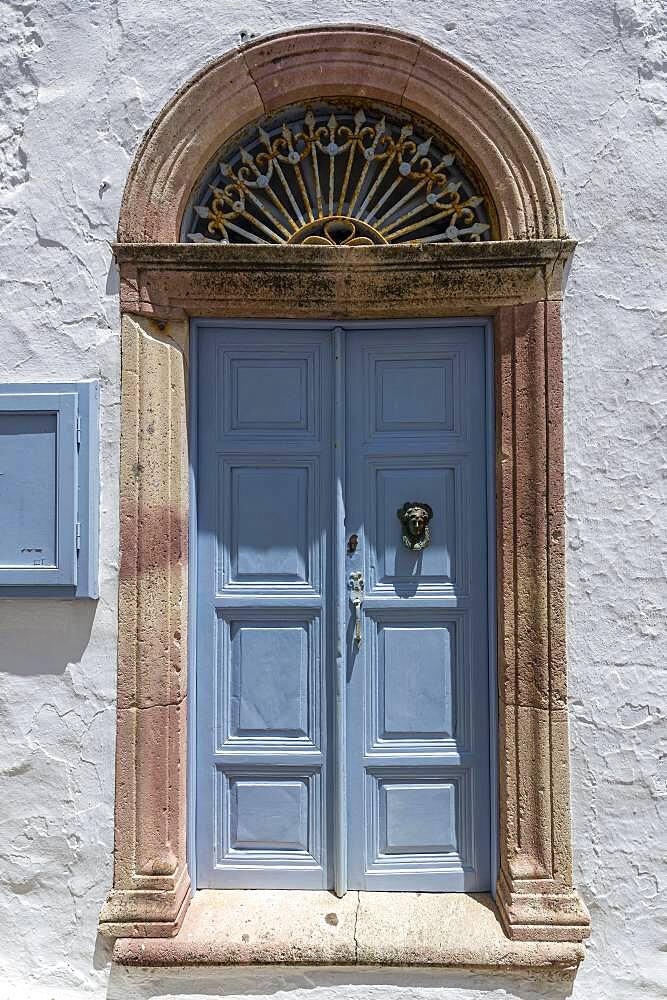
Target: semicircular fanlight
pixel 337 176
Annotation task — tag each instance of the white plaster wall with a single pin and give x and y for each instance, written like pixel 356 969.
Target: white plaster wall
pixel 80 80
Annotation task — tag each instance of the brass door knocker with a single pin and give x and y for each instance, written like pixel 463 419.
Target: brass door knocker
pixel 414 517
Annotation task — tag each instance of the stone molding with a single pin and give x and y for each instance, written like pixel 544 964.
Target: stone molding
pixel 151 881
pixel 534 894
pixel 515 282
pixel 337 61
pixel 180 280
pixel 264 927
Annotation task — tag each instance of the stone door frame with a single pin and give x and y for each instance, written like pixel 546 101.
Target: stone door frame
pixel 516 281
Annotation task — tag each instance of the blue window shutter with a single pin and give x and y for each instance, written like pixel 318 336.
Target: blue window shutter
pixel 49 489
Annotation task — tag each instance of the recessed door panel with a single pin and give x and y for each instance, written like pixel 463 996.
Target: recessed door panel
pixel 414 394
pixel 268 681
pixel 393 481
pixel 268 815
pixel 415 683
pixel 256 405
pixel 268 820
pixel 268 510
pixel 272 387
pixel 418 818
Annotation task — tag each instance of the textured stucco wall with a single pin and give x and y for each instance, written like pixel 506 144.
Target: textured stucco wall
pixel 79 82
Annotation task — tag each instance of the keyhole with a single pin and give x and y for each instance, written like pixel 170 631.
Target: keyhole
pixel 352 543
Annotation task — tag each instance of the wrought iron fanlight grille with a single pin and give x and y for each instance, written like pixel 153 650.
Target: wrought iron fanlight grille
pixel 339 176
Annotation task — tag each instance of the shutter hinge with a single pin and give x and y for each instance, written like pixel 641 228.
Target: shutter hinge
pixel 78 432
pixel 78 537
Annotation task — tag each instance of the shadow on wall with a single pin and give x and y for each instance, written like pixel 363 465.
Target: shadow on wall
pixel 41 636
pixel 329 984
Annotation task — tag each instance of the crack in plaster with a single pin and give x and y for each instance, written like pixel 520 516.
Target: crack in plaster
pixel 356 924
pixel 642 34
pixel 133 707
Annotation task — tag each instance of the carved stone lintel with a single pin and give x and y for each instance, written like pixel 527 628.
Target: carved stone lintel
pixel 181 280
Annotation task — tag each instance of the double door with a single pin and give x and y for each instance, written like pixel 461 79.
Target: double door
pixel 342 652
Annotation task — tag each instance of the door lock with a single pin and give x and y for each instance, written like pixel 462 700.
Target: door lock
pixel 357 597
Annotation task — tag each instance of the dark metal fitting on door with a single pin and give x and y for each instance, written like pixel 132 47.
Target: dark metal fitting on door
pixel 357 588
pixel 415 515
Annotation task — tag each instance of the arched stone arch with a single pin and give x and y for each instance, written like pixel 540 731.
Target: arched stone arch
pixel 337 61
pixel 516 281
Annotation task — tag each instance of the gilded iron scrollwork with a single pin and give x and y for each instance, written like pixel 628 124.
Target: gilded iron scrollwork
pixel 338 176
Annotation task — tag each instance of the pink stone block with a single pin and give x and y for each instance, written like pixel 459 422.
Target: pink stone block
pixel 327 62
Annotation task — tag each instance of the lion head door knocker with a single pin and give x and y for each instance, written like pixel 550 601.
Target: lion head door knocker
pixel 414 517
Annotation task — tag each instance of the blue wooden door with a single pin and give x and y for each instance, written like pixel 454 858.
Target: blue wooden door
pixel 418 720
pixel 317 752
pixel 264 463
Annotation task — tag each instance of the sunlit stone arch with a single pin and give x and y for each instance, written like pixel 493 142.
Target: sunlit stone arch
pixel 315 64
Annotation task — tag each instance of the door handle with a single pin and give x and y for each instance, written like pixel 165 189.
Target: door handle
pixel 357 597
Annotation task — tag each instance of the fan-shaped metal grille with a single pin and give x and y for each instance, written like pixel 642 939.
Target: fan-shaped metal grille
pixel 338 176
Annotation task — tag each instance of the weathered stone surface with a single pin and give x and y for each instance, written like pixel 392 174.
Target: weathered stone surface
pixel 256 927
pixel 313 63
pixel 151 881
pixel 307 281
pixel 535 898
pixel 449 929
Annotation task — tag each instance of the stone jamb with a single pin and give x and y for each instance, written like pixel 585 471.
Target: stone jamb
pixel 516 281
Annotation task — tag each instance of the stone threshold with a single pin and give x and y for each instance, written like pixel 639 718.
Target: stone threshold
pixel 290 927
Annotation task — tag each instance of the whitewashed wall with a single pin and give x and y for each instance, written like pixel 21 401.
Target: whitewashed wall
pixel 80 80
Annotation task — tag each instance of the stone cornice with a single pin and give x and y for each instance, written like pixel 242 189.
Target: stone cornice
pixel 176 280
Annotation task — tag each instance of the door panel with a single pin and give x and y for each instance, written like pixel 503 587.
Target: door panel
pixel 416 704
pixel 271 514
pixel 418 749
pixel 390 482
pixel 417 817
pixel 264 489
pixel 270 686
